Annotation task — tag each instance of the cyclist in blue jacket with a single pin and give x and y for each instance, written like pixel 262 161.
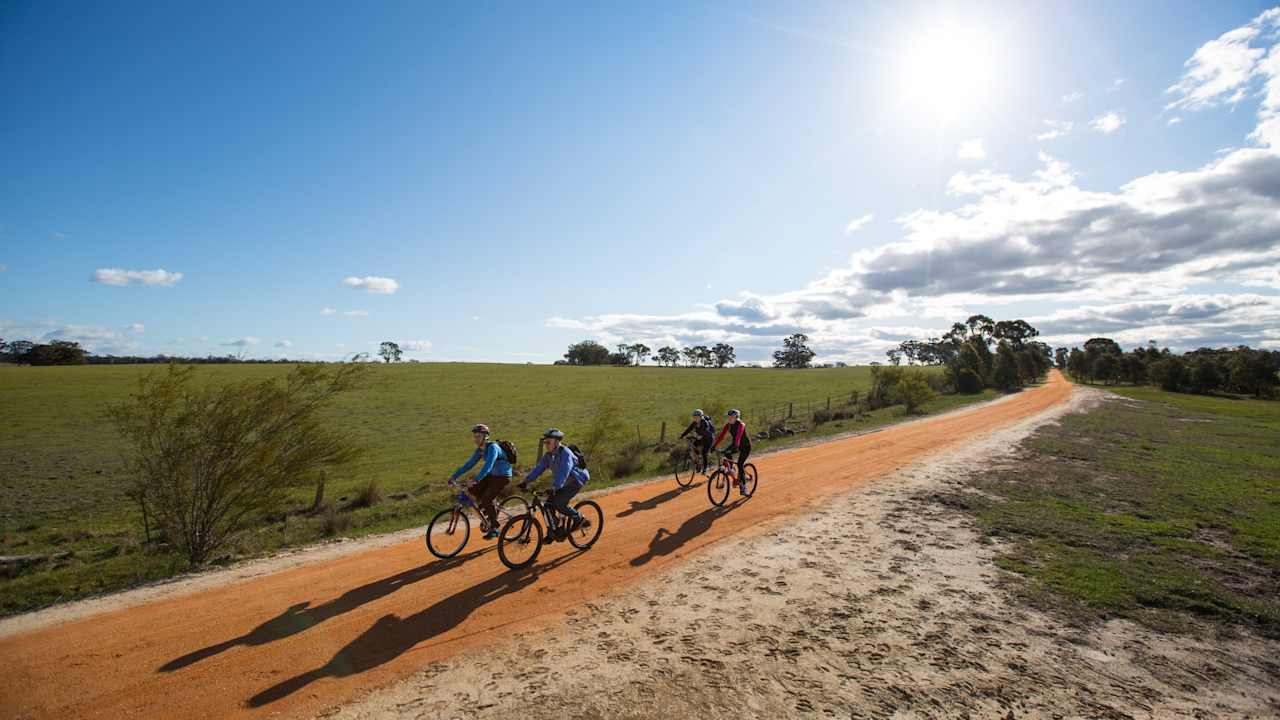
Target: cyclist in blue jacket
pixel 567 476
pixel 494 475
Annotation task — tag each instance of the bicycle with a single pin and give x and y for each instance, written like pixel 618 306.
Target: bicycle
pixel 726 477
pixel 522 536
pixel 689 465
pixel 449 530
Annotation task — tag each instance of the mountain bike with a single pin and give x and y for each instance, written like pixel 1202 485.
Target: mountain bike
pixel 522 536
pixel 689 464
pixel 449 530
pixel 725 478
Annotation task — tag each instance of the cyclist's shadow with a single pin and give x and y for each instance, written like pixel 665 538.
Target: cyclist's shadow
pixel 392 636
pixel 656 500
pixel 665 542
pixel 300 617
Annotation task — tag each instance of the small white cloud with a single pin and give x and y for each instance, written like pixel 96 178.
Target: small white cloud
pixel 117 276
pixel 1108 123
pixel 1057 128
pixel 328 311
pixel 242 342
pixel 3 268
pixel 137 327
pixel 1115 84
pixel 1173 121
pixel 416 345
pixel 475 317
pixel 283 344
pixel 858 223
pixel 356 313
pixel 373 284
pixel 971 150
pixel 1072 96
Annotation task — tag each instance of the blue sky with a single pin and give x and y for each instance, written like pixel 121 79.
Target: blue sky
pixel 531 174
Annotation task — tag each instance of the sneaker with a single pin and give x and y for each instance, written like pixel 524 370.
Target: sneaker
pixel 742 489
pixel 491 535
pixel 577 523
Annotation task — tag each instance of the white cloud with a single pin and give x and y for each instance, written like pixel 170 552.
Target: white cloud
pixel 117 276
pixel 1072 96
pixel 416 346
pixel 1108 123
pixel 283 344
pixel 98 340
pixel 1115 84
pixel 858 223
pixel 356 313
pixel 1057 129
pixel 3 267
pixel 137 327
pixel 243 342
pixel 971 150
pixel 1173 121
pixel 373 284
pixel 328 311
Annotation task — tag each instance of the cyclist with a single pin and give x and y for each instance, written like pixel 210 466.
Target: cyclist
pixel 567 475
pixel 493 476
pixel 740 443
pixel 706 430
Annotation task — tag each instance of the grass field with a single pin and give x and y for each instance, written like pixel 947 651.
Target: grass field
pixel 1159 507
pixel 61 488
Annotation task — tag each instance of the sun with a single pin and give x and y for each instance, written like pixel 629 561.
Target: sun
pixel 948 71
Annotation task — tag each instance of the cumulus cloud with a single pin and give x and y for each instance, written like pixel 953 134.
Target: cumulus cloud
pixel 137 327
pixel 97 340
pixel 416 345
pixel 858 223
pixel 971 150
pixel 356 313
pixel 1173 121
pixel 328 311
pixel 1056 129
pixel 243 342
pixel 373 284
pixel 1072 96
pixel 1108 123
pixel 118 276
pixel 283 344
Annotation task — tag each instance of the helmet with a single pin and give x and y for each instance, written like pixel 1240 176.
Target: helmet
pixel 553 433
pixel 697 413
pixel 734 413
pixel 480 428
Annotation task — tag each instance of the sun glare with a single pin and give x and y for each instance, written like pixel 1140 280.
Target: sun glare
pixel 948 71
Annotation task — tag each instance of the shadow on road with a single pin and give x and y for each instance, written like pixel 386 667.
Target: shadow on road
pixel 665 542
pixel 392 636
pixel 298 618
pixel 656 500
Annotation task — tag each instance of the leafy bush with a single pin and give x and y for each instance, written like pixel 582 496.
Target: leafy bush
pixel 883 380
pixel 1168 373
pixel 206 460
pixel 967 381
pixel 628 460
pixel 333 522
pixel 913 391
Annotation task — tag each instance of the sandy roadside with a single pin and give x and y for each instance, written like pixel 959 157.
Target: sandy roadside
pixel 883 603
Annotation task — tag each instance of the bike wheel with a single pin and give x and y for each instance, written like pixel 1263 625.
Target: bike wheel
pixel 520 541
pixel 685 471
pixel 749 476
pixel 512 506
pixel 593 524
pixel 718 488
pixel 448 533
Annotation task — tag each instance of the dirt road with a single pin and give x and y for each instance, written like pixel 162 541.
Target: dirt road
pixel 294 643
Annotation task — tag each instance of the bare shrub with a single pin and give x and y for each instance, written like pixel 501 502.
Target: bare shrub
pixel 368 495
pixel 206 460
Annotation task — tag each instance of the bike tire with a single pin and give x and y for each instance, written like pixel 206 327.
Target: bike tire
pixel 749 474
pixel 513 505
pixel 522 534
pixel 587 534
pixel 448 533
pixel 685 471
pixel 718 486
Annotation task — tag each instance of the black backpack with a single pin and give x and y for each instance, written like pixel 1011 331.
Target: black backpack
pixel 578 456
pixel 508 448
pixel 711 427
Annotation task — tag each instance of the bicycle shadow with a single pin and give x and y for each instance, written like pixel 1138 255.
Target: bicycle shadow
pixel 665 542
pixel 301 617
pixel 656 500
pixel 392 636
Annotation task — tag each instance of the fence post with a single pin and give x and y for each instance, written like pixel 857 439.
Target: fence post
pixel 662 437
pixel 828 403
pixel 639 440
pixel 791 409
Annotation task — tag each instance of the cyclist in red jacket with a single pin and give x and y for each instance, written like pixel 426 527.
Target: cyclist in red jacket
pixel 741 443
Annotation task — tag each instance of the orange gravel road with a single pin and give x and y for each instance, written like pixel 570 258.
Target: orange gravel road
pixel 299 641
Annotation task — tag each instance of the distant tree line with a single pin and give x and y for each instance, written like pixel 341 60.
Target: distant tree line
pixel 1242 369
pixel 56 352
pixel 590 352
pixel 981 353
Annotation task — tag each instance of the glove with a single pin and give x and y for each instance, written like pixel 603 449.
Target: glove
pixel 523 487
